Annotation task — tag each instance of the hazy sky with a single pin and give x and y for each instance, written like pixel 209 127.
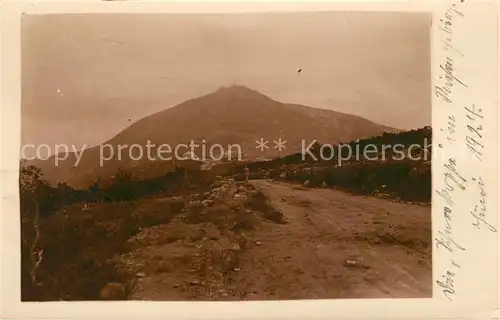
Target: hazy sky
pixel 85 76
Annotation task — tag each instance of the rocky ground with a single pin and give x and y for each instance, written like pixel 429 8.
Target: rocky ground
pixel 273 240
pixel 194 256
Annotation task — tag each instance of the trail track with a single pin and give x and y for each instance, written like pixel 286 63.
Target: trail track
pixel 337 245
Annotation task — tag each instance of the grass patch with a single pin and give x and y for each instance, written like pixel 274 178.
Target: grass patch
pixel 78 244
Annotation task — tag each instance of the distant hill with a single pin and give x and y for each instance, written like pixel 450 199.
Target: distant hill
pixel 230 115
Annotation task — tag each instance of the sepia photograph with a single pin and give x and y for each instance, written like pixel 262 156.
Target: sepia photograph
pixel 226 156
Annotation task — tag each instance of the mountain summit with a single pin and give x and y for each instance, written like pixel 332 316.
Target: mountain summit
pixel 237 91
pixel 228 116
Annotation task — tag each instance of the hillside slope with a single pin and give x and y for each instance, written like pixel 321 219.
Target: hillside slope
pixel 228 116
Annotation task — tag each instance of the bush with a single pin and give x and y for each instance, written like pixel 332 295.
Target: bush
pixel 406 180
pixel 122 186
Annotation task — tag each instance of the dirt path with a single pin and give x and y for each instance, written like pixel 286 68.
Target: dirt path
pixel 337 245
pixel 333 245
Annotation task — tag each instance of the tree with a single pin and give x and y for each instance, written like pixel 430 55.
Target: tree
pixel 122 186
pixel 30 181
pixel 35 193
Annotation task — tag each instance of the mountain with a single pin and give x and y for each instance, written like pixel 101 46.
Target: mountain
pixel 231 115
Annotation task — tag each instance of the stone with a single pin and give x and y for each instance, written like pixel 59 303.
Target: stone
pixel 240 197
pixel 113 291
pixel 227 245
pixel 350 263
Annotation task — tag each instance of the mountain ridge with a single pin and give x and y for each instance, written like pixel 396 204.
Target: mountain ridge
pixel 229 115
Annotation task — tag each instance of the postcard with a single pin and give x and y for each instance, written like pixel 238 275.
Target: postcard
pixel 250 160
